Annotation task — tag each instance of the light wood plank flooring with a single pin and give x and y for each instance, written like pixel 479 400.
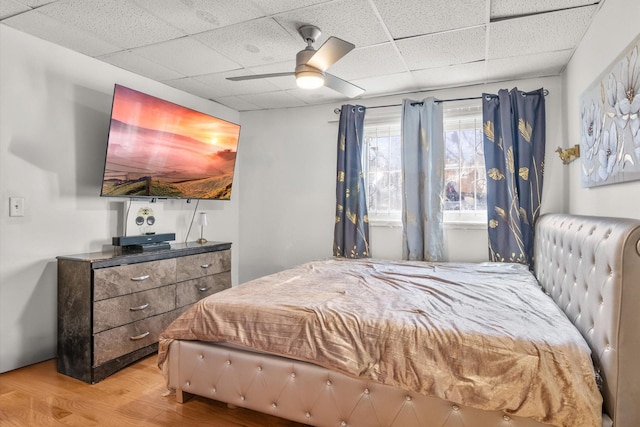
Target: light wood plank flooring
pixel 38 396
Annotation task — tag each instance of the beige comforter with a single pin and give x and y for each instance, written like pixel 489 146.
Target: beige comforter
pixel 482 335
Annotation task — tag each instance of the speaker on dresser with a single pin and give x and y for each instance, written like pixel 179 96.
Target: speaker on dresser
pixel 143 239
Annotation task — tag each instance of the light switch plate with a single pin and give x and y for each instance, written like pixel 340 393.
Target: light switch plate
pixel 16 206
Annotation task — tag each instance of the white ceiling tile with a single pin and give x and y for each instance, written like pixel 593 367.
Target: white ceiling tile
pixel 237 104
pixel 117 22
pixel 9 8
pixel 368 62
pixel 350 20
pixel 539 33
pixel 220 86
pixel 187 56
pixel 137 64
pixel 418 17
pixel 504 8
pixel 452 76
pixel 35 3
pixel 196 16
pixel 320 95
pixel 537 65
pixel 276 6
pixel 436 50
pixel 387 84
pixel 277 99
pixel 190 85
pixel 257 42
pixel 51 30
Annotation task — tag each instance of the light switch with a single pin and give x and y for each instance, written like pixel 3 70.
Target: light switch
pixel 16 206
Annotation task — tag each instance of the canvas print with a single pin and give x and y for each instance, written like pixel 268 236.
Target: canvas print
pixel 160 149
pixel 610 124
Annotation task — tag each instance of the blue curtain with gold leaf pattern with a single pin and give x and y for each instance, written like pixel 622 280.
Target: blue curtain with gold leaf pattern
pixel 514 144
pixel 422 180
pixel 351 233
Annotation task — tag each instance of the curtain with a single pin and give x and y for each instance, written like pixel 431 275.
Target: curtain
pixel 422 180
pixel 351 233
pixel 514 143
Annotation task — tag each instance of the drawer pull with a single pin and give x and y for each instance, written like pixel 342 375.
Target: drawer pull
pixel 140 307
pixel 204 289
pixel 140 278
pixel 205 265
pixel 139 337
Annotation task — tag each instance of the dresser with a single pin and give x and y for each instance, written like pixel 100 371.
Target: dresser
pixel 112 306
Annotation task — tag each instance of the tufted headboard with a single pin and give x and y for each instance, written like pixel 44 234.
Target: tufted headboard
pixel 591 267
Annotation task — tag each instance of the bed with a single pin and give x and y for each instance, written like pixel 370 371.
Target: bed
pixel 518 357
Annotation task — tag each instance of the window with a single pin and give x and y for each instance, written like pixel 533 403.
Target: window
pixel 465 177
pixel 464 171
pixel 383 171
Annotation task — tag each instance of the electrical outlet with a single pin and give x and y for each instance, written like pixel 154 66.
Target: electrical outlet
pixel 16 206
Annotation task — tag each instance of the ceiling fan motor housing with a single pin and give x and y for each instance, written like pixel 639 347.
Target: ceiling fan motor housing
pixel 307 76
pixel 302 58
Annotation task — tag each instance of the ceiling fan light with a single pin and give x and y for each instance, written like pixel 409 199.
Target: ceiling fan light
pixel 309 79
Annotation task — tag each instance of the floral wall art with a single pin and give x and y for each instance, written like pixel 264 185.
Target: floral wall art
pixel 610 121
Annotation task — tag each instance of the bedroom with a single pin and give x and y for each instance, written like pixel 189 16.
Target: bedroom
pixel 54 108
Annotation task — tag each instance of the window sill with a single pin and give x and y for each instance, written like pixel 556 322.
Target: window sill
pixel 451 225
pixel 386 223
pixel 465 225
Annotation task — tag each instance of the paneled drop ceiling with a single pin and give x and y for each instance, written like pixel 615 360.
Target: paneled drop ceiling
pixel 401 45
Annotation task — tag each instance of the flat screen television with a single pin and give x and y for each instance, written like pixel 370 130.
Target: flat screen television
pixel 159 149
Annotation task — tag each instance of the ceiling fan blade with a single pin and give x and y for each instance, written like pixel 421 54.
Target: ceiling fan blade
pixel 329 53
pixel 342 86
pixel 259 76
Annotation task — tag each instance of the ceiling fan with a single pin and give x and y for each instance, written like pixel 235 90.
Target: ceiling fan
pixel 311 64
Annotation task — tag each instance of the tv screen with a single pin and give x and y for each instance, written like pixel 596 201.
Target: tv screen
pixel 160 149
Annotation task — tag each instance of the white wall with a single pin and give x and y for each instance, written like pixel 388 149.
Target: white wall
pixel 54 115
pixel 288 183
pixel 288 175
pixel 616 25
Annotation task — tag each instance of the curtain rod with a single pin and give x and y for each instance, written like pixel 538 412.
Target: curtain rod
pixel 545 92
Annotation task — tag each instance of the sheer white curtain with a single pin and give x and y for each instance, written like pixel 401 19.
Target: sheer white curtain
pixel 423 179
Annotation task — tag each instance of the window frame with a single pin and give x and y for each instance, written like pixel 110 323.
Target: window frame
pixel 388 218
pixel 392 119
pixel 464 115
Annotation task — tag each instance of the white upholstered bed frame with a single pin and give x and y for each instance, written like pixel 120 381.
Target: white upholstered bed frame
pixel 589 265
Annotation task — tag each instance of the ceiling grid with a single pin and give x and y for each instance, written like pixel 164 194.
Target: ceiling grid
pixel 401 46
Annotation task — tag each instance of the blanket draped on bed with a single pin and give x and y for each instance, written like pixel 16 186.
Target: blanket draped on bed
pixel 481 335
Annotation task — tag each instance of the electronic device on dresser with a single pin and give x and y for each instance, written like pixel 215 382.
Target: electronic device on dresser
pixel 144 242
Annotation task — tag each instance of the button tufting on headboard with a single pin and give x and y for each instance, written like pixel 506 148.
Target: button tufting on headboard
pixel 590 288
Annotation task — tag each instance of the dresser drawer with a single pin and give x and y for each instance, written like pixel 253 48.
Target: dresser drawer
pixel 113 312
pixel 194 266
pixel 126 279
pixel 190 291
pixel 119 341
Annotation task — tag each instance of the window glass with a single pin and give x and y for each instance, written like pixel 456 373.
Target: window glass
pixel 465 182
pixel 382 160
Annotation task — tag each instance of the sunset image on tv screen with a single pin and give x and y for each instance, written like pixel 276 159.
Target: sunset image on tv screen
pixel 160 149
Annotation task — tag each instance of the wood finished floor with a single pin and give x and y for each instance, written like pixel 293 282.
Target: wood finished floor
pixel 38 396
